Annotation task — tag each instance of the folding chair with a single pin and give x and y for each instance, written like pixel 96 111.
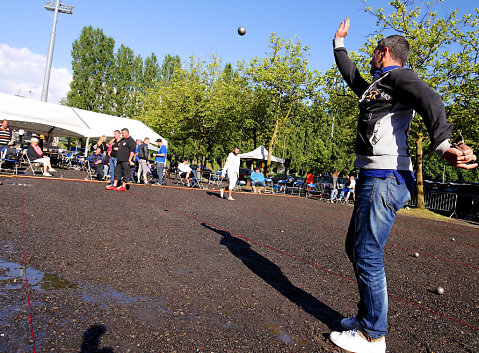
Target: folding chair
pixel 280 186
pixel 91 173
pixel 297 187
pixel 269 186
pixel 182 180
pixel 239 185
pixel 215 178
pixel 9 160
pixel 33 166
pixel 201 182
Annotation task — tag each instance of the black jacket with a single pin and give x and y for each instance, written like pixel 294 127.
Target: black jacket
pixel 32 154
pixel 387 108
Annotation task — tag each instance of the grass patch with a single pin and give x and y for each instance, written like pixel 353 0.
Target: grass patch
pixel 416 212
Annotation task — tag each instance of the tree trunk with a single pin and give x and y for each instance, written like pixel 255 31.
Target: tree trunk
pixel 199 155
pixel 419 181
pixel 270 147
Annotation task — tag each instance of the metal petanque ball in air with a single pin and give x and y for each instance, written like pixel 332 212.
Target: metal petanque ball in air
pixel 416 254
pixel 241 31
pixel 453 239
pixel 439 290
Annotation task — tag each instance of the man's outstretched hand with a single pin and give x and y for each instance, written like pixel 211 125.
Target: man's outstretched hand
pixel 459 155
pixel 343 29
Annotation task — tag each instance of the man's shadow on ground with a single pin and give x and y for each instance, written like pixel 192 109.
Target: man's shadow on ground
pixel 91 340
pixel 215 194
pixel 272 274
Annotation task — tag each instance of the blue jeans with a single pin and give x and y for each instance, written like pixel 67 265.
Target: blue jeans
pixel 112 169
pixel 377 201
pixel 334 193
pixel 159 171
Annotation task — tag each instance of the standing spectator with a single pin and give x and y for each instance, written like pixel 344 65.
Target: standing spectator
pixel 97 161
pixel 231 168
pixel 113 154
pixel 185 171
pixel 101 144
pixel 5 134
pixel 160 159
pixel 125 154
pixel 257 178
pixel 136 159
pixel 386 110
pixel 143 161
pixel 334 186
pixel 35 154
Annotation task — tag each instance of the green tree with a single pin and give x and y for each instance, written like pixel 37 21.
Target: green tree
pixel 197 104
pixel 168 68
pixel 127 78
pixel 285 80
pixel 92 65
pixel 151 72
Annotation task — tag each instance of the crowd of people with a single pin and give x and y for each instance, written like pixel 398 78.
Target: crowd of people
pixel 124 160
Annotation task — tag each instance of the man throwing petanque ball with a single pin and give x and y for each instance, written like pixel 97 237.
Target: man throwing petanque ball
pixel 386 177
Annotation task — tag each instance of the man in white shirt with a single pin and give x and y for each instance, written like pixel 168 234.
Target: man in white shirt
pixel 232 168
pixel 185 171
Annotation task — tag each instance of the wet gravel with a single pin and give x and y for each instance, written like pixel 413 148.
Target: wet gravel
pixel 167 269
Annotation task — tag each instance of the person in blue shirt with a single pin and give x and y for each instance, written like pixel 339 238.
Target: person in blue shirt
pixel 257 179
pixel 97 161
pixel 160 159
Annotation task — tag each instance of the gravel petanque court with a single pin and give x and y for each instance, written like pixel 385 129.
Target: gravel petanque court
pixel 168 269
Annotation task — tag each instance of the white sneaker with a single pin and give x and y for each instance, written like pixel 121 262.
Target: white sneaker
pixel 353 341
pixel 222 193
pixel 231 199
pixel 350 323
pixel 47 174
pixel 52 170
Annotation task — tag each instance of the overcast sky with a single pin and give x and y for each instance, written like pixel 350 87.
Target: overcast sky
pixel 182 27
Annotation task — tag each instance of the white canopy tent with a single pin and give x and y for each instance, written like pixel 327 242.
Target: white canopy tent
pixel 58 120
pixel 260 153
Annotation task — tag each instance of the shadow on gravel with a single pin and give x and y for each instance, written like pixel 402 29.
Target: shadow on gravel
pixel 272 274
pixel 91 340
pixel 215 194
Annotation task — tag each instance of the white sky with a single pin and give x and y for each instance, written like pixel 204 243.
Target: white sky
pixel 22 72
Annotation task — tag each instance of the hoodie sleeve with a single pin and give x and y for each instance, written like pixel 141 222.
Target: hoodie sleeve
pixel 429 105
pixel 348 69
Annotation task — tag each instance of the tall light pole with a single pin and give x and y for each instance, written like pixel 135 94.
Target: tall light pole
pixel 49 6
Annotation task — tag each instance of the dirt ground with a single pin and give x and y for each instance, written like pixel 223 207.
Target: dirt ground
pixel 167 269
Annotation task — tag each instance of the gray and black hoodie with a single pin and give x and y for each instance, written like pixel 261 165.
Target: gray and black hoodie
pixel 387 108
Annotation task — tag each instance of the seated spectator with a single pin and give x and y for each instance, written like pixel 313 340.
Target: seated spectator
pixel 309 179
pixel 257 179
pixel 185 171
pixel 97 162
pixel 35 154
pixel 348 188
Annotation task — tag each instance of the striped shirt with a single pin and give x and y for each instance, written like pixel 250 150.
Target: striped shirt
pixel 5 136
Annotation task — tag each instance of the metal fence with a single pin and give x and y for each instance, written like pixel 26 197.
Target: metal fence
pixel 441 201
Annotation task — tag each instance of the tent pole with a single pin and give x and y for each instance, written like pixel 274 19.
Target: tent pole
pixel 87 146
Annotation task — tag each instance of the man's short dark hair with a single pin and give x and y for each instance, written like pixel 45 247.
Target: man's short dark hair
pixel 125 129
pixel 398 46
pixel 117 131
pixel 236 147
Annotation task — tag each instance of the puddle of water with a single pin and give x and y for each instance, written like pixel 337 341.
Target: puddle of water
pixel 286 337
pixel 36 279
